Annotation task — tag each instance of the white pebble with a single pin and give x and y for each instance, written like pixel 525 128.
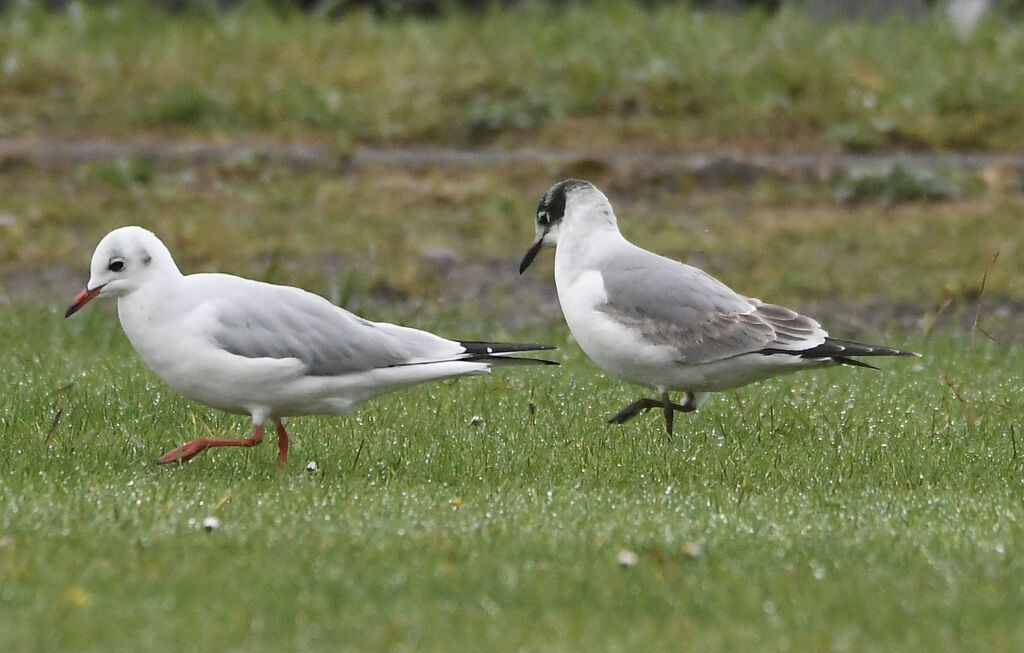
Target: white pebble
pixel 627 558
pixel 211 523
pixel 692 550
pixel 311 466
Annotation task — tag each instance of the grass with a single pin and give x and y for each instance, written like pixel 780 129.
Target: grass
pixel 580 77
pixel 841 509
pixel 379 231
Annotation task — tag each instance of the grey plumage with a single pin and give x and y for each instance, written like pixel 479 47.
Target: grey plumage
pixel 677 305
pixel 664 324
pixel 330 341
pixel 293 323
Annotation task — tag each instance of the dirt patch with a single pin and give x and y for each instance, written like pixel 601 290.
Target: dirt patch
pixel 709 168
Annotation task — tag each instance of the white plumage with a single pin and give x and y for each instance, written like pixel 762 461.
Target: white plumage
pixel 260 349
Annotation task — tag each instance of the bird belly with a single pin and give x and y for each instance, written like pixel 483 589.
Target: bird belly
pixel 735 372
pixel 714 376
pixel 198 370
pixel 216 378
pixel 618 350
pixel 335 395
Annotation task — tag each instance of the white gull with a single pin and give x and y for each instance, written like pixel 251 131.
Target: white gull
pixel 260 349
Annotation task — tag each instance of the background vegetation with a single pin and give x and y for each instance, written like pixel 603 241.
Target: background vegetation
pixel 576 76
pixel 842 509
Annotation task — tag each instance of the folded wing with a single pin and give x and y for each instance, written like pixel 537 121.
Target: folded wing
pixel 676 305
pixel 291 323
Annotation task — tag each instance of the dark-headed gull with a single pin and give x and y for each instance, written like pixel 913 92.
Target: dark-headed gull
pixel 663 324
pixel 260 349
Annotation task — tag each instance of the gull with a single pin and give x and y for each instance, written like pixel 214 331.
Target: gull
pixel 663 324
pixel 264 350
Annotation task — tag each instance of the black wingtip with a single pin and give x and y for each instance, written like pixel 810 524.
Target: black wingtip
pixel 843 360
pixel 843 351
pixel 484 348
pixel 513 360
pixel 498 352
pixel 836 348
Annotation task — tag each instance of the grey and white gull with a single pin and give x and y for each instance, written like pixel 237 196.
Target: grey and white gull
pixel 663 324
pixel 264 350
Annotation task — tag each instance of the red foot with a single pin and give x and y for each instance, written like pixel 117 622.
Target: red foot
pixel 184 452
pixel 191 449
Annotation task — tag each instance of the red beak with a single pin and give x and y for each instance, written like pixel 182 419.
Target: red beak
pixel 81 299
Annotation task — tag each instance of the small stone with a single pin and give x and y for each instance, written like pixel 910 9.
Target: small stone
pixel 211 523
pixel 311 466
pixel 441 256
pixel 627 558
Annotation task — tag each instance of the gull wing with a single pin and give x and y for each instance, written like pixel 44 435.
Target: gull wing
pixel 672 304
pixel 260 320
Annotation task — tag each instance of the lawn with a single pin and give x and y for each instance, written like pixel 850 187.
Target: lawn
pixel 843 509
pixel 586 76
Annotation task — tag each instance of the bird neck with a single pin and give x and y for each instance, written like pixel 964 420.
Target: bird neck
pixel 580 251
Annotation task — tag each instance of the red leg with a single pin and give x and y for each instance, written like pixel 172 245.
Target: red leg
pixel 282 443
pixel 190 449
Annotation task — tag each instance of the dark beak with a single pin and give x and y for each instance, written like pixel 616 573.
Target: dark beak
pixel 531 253
pixel 81 299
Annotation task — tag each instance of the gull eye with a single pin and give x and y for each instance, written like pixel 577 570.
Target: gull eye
pixel 542 217
pixel 116 265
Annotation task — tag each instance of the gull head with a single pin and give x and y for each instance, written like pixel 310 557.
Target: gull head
pixel 570 205
pixel 126 259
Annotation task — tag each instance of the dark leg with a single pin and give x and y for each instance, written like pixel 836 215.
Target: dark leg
pixel 634 409
pixel 190 449
pixel 688 406
pixel 669 410
pixel 282 443
pixel 629 412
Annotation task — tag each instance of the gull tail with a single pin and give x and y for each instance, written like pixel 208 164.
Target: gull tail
pixel 841 351
pixel 499 353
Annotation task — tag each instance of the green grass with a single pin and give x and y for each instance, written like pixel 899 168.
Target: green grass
pixel 376 230
pixel 583 76
pixel 842 509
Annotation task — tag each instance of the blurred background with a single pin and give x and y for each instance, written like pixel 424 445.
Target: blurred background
pixel 861 160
